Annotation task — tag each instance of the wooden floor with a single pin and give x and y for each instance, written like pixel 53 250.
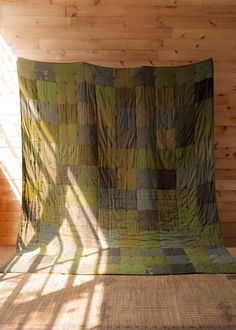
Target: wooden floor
pixel 60 302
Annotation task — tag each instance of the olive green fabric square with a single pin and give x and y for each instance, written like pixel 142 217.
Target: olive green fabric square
pixel 47 91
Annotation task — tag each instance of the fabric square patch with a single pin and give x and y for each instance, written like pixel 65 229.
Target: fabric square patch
pixel 148 220
pixel 145 76
pixel 186 177
pixel 166 138
pixel 206 193
pixel 204 89
pixel 146 200
pixel 104 76
pixel 47 91
pixel 126 179
pixel 87 134
pixel 147 179
pixel 108 177
pixel 166 159
pixel 45 71
pixel 146 137
pixel 165 118
pixel 185 126
pixel 207 213
pixel 166 179
pixel 126 118
pixel 28 88
pixel 48 112
pixel 146 158
pixel 126 138
pixel 182 268
pixel 125 98
pixel 181 259
pixel 85 93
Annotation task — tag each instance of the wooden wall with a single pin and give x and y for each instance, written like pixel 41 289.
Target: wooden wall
pixel 122 33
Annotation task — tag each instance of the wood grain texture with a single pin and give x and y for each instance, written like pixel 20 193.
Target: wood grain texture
pixel 124 33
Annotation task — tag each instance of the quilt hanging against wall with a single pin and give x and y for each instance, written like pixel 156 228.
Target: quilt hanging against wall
pixel 118 170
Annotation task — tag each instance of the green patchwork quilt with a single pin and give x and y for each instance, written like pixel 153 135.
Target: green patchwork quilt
pixel 118 171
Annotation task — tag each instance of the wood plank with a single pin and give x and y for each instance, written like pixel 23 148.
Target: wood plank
pixel 25 44
pixel 132 11
pixel 225 184
pixel 10 216
pixel 228 229
pixel 9 229
pixel 225 131
pixel 127 2
pixel 8 241
pixel 9 205
pixel 188 44
pixel 35 21
pixel 219 11
pixel 227 216
pixel 225 141
pixel 91 55
pixel 226 195
pixel 101 44
pixel 225 152
pixel 193 55
pixel 88 33
pixel 203 34
pixel 157 21
pixel 46 10
pixel 226 174
pixel 230 206
pixel 230 241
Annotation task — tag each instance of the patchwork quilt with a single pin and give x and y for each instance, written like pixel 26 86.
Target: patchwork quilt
pixel 118 170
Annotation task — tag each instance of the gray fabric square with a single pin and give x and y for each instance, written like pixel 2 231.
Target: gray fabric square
pixel 146 199
pixel 181 259
pixel 104 76
pixel 152 252
pixel 107 198
pixel 160 269
pixel 165 117
pixel 126 118
pixel 48 112
pixel 45 71
pixel 182 268
pixel 147 179
pixel 173 251
pixel 125 200
pixel 47 232
pixel 86 93
pixel 146 137
pixel 186 177
pixel 87 134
